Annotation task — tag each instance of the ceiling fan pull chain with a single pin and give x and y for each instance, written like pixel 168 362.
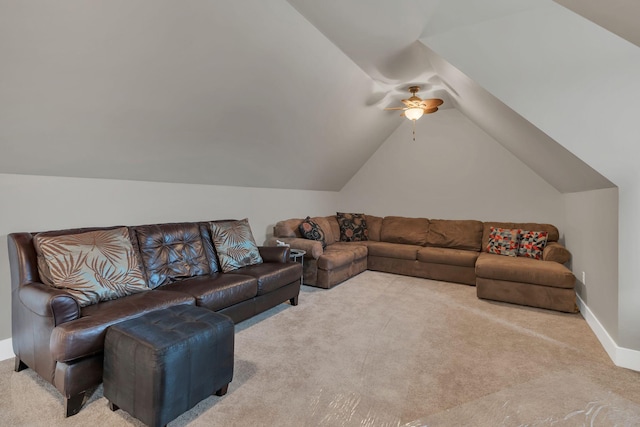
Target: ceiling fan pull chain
pixel 414 130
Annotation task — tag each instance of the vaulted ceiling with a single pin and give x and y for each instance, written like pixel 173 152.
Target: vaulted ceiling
pixel 263 94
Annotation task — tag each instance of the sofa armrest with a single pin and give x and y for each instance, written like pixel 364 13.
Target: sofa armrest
pixel 274 253
pixel 554 251
pixel 45 301
pixel 313 248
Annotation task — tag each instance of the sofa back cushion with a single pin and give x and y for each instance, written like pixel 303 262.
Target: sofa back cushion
pixel 288 228
pixel 553 235
pixel 455 234
pixel 325 226
pixel 398 229
pixel 332 220
pixel 172 251
pixel 374 224
pixel 93 266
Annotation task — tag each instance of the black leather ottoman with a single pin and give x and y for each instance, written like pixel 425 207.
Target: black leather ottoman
pixel 163 363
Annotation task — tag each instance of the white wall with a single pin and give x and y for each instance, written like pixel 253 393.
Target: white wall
pixel 591 235
pixel 453 170
pixel 36 203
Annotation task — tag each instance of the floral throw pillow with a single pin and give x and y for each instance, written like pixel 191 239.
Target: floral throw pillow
pixel 503 241
pixel 93 266
pixel 234 244
pixel 532 244
pixel 312 231
pixel 353 227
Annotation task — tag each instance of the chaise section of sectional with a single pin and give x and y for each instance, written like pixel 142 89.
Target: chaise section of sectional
pixel 544 283
pixel 524 281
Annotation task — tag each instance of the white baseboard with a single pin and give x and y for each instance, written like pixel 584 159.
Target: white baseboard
pixel 623 357
pixel 6 349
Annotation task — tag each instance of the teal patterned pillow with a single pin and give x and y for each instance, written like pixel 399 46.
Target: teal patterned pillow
pixel 93 266
pixel 234 244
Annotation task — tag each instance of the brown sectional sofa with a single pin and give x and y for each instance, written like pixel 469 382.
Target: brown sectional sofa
pixel 447 250
pixel 64 342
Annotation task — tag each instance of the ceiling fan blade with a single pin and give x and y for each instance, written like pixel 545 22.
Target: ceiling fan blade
pixel 428 104
pixel 430 110
pixel 395 108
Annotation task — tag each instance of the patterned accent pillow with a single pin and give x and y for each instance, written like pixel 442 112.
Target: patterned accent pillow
pixel 234 244
pixel 93 266
pixel 312 231
pixel 353 227
pixel 532 244
pixel 503 241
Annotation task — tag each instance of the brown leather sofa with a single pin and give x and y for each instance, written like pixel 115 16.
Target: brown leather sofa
pixel 447 250
pixel 64 343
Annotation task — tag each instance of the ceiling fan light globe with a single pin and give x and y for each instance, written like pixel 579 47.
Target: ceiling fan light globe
pixel 413 113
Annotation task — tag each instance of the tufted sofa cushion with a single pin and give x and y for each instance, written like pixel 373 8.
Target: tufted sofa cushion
pixel 172 251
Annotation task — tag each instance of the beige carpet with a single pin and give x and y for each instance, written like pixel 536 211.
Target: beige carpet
pixel 387 350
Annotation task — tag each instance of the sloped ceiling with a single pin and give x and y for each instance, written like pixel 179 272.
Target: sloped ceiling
pixel 550 160
pixel 258 94
pixel 232 93
pixel 618 16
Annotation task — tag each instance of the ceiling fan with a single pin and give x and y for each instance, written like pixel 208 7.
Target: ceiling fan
pixel 415 107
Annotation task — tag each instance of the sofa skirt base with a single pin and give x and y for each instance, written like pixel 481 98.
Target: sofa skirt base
pixel 329 278
pixel 247 309
pixel 310 272
pixel 405 267
pixel 426 270
pixel 450 273
pixel 559 299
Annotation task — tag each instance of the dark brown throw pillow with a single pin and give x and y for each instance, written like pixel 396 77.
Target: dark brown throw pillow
pixel 353 227
pixel 312 231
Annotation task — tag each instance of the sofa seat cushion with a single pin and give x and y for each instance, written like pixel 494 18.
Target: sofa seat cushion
pixel 218 290
pixel 271 275
pixel 359 249
pixel 394 250
pixel 448 256
pixel 85 336
pixel 341 254
pixel 524 270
